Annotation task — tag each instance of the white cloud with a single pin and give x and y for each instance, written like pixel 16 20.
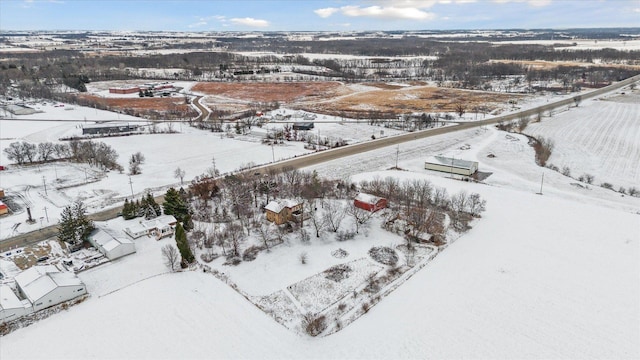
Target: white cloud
pixel 251 22
pixel 536 3
pixel 387 12
pixel 326 12
pixel 198 24
pixel 391 9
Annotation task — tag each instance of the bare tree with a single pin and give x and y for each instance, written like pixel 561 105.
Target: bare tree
pixel 360 216
pixel 476 204
pixel 334 213
pixel 235 235
pixel 303 257
pixel 171 256
pixel 45 150
pixel 179 174
pixel 266 232
pixel 460 109
pixel 135 163
pixel 314 217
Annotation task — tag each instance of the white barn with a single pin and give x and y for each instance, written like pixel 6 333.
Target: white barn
pixel 11 307
pixel 46 286
pixel 451 165
pixel 110 246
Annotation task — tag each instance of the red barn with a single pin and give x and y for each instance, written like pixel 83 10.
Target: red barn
pixel 4 209
pixel 369 202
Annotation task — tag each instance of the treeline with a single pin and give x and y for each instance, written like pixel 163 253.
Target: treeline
pixel 94 153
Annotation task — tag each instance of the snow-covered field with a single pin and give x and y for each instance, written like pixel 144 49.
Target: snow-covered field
pixel 601 138
pixel 539 276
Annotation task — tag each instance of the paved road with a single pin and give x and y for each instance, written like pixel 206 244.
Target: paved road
pixel 329 155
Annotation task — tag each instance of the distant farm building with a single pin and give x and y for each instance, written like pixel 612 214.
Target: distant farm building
pixel 451 165
pixel 11 307
pixel 46 286
pixel 110 246
pixel 369 202
pixel 303 126
pixel 4 209
pixel 160 227
pixel 104 129
pixel 2 193
pixel 125 90
pixel 282 211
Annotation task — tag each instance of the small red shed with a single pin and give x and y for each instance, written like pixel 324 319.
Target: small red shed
pixel 369 202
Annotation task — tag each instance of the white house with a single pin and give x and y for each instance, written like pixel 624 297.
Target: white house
pixel 11 307
pixel 451 165
pixel 162 226
pixel 110 246
pixel 46 286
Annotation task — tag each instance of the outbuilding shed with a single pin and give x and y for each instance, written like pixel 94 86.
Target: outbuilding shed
pixel 451 165
pixel 112 247
pixel 46 286
pixel 369 202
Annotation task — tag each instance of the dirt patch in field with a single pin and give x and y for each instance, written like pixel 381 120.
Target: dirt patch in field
pixel 334 98
pixel 415 99
pixel 268 92
pixel 171 107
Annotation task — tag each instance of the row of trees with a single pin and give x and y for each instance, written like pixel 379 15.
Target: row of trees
pixel 94 153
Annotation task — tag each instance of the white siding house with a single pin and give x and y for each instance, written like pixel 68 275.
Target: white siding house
pixel 451 165
pixel 110 246
pixel 162 226
pixel 46 286
pixel 11 307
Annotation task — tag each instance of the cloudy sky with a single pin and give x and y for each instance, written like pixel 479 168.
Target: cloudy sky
pixel 314 15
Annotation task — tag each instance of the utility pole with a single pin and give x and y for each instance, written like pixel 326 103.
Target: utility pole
pixel 131 185
pixel 541 182
pixel 46 214
pixel 45 185
pixel 273 154
pixel 397 155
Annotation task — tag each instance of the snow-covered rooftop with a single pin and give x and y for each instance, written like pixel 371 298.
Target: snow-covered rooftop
pixel 8 299
pixel 108 242
pixel 277 205
pixel 367 198
pixel 38 281
pixel 453 162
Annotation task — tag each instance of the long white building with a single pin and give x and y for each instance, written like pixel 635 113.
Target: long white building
pixel 46 286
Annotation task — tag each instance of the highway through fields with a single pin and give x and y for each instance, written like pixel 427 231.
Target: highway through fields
pixel 333 154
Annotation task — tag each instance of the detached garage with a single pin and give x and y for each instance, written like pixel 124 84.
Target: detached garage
pixel 369 202
pixel 451 165
pixel 110 246
pixel 46 286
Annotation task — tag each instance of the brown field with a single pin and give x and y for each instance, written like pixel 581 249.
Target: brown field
pixel 331 98
pixel 548 65
pixel 174 105
pixel 334 98
pixel 269 92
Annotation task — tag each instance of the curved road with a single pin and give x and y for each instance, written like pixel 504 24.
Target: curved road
pixel 328 155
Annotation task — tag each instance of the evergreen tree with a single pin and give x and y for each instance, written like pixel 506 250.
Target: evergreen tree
pixel 127 210
pixel 175 205
pixel 183 245
pixel 66 230
pixel 75 226
pixel 149 207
